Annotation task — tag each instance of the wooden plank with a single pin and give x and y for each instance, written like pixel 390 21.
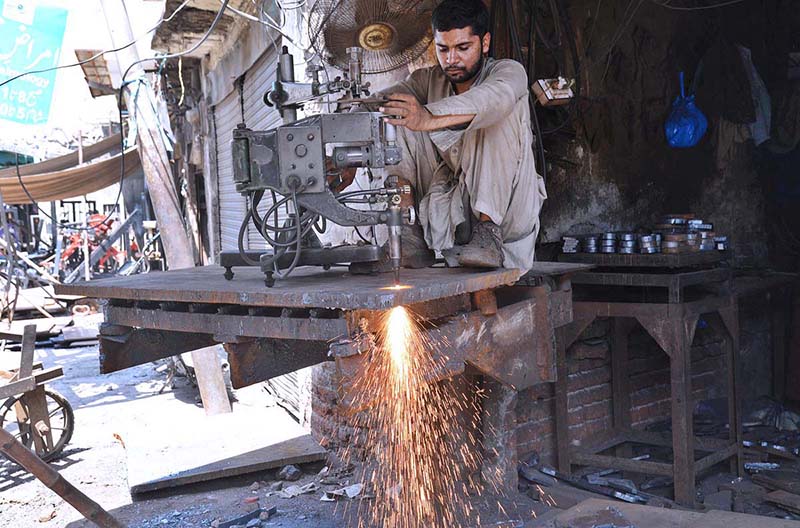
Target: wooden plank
pixel 656 517
pixel 166 453
pixel 17 387
pixel 623 464
pixel 305 288
pixel 784 499
pixel 44 376
pixel 210 380
pixel 715 458
pixel 792 485
pixel 28 349
pixel 45 327
pixel 723 519
pixel 36 403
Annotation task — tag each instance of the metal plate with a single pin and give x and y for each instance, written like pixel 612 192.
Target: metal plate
pixel 306 288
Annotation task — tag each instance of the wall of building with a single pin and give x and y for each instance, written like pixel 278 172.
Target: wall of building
pixel 610 166
pixel 611 169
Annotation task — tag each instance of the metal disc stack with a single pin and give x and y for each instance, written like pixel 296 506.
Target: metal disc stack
pixel 608 243
pixel 674 230
pixel 705 234
pixel 571 244
pixel 591 244
pixel 648 244
pixel 627 243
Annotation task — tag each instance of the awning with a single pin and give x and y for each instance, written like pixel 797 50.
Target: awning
pixel 60 178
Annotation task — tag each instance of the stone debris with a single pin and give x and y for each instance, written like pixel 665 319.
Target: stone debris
pixel 290 473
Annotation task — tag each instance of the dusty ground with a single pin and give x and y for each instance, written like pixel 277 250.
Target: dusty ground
pixel 108 405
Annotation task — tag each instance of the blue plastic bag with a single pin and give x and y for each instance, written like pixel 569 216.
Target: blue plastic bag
pixel 686 124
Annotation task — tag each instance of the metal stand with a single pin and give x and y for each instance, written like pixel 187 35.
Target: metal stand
pixel 672 325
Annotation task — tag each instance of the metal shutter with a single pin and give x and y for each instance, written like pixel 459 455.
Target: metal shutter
pixel 257 116
pixel 232 206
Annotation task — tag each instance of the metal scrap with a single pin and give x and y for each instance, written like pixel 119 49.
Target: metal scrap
pixel 350 492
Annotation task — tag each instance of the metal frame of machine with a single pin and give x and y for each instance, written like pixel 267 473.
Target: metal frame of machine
pixel 297 164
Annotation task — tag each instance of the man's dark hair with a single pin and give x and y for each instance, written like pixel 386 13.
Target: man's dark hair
pixel 458 14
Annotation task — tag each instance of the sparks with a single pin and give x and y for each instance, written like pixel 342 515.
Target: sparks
pixel 397 287
pixel 417 432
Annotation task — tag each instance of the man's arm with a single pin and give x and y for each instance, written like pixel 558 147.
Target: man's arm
pixel 489 102
pixel 411 114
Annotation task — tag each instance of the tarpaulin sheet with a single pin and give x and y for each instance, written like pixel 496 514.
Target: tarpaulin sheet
pixel 62 178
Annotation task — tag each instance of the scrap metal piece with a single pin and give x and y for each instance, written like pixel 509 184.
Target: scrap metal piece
pixel 263 359
pixel 119 350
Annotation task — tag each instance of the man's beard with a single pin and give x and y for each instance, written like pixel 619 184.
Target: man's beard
pixel 461 75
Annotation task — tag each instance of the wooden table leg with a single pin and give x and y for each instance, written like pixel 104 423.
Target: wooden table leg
pixel 730 319
pixel 36 402
pixel 780 303
pixel 682 407
pixel 620 380
pixel 211 381
pixel 675 337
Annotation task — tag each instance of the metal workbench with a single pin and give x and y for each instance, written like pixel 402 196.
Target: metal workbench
pixel 501 322
pixel 665 297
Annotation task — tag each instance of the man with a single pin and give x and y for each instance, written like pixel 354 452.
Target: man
pixel 464 128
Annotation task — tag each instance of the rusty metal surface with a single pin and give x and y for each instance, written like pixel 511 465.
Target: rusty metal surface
pixel 515 346
pixel 656 260
pixel 307 287
pixel 263 359
pixel 305 328
pixel 139 346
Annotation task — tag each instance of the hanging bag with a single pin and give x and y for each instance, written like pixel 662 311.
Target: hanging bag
pixel 686 124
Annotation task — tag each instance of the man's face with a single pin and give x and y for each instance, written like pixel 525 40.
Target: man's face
pixel 460 53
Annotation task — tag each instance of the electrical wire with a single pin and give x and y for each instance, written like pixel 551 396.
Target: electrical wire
pixel 627 18
pixel 270 24
pixel 119 113
pixel 180 78
pixel 199 43
pixel 698 8
pixel 291 234
pixel 100 54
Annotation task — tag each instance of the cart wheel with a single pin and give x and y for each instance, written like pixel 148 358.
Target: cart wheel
pixel 62 423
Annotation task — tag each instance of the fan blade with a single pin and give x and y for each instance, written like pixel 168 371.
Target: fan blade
pixel 369 11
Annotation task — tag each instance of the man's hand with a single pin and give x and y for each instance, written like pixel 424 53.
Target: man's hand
pixel 408 113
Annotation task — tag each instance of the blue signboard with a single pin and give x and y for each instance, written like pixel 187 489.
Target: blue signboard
pixel 31 35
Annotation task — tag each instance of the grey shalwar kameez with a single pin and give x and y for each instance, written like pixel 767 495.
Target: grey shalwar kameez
pixel 487 166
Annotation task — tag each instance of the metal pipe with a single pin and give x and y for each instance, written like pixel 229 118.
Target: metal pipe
pixel 286 63
pixel 395 225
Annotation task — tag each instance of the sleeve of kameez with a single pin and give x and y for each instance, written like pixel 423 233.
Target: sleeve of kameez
pixel 492 100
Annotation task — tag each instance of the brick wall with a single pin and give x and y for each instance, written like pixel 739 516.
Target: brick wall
pixel 589 387
pixel 589 397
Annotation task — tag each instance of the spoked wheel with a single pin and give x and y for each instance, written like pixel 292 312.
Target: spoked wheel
pixel 62 422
